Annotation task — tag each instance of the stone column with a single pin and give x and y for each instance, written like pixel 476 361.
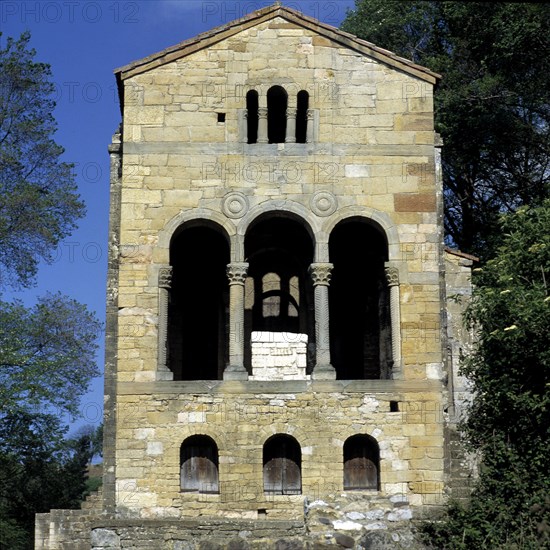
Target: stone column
pixel 309 131
pixel 236 273
pixel 262 125
pixel 290 136
pixel 165 283
pixel 244 125
pixel 392 277
pixel 321 273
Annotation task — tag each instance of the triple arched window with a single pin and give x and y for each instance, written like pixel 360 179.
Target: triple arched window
pixel 287 121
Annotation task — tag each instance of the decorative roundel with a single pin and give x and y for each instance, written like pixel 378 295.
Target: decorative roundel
pixel 324 203
pixel 235 205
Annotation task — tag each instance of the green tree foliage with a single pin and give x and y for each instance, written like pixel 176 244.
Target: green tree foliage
pixel 94 436
pixel 492 106
pixel 39 204
pixel 38 471
pixel 509 420
pixel 47 354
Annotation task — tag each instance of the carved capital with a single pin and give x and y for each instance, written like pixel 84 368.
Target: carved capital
pixel 236 272
pixel 310 114
pixel 291 113
pixel 262 112
pixel 392 276
pixel 321 273
pixel 165 277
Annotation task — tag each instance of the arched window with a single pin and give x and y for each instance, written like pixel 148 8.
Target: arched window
pixel 199 465
pixel 252 115
pixel 199 301
pixel 361 463
pixel 360 322
pixel 277 100
pixel 301 116
pixel 282 459
pixel 279 296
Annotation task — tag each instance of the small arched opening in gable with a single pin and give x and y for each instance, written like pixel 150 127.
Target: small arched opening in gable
pixel 277 101
pixel 252 115
pixel 301 117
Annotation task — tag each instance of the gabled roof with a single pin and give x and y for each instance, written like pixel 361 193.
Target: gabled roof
pixel 206 39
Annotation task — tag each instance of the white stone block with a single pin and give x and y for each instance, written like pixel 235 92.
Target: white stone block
pixel 144 433
pixel 279 356
pixel 356 170
pixel 155 448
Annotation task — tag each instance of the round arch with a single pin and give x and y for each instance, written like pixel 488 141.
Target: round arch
pixel 280 208
pixel 195 217
pixel 379 220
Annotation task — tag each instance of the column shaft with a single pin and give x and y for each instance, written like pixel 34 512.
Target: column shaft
pixel 244 126
pixel 290 126
pixel 165 283
pixel 236 273
pixel 392 277
pixel 321 273
pixel 309 130
pixel 262 125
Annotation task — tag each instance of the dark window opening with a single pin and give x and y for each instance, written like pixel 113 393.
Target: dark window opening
pixel 276 114
pixel 361 463
pixel 282 460
pixel 278 290
pixel 360 328
pixel 199 302
pixel 394 406
pixel 199 465
pixel 301 117
pixel 252 116
pixel 221 117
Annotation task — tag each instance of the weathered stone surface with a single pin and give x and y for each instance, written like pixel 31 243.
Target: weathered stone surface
pixel 344 540
pixel 414 202
pixel 105 538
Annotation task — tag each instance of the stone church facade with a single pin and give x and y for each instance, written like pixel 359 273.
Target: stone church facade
pixel 281 362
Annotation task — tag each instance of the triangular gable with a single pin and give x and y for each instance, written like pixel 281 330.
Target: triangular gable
pixel 206 39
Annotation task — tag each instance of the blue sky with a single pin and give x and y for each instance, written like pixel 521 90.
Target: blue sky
pixel 84 41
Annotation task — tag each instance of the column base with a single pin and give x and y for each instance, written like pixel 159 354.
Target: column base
pixel 323 372
pixel 235 372
pixel 397 371
pixel 164 373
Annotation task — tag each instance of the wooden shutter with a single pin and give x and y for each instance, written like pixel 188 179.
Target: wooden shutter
pixel 199 469
pixel 360 473
pixel 360 464
pixel 282 475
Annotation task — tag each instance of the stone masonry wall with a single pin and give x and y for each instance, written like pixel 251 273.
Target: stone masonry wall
pixel 241 416
pixel 372 157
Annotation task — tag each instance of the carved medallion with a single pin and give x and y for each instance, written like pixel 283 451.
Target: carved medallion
pixel 235 205
pixel 323 203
